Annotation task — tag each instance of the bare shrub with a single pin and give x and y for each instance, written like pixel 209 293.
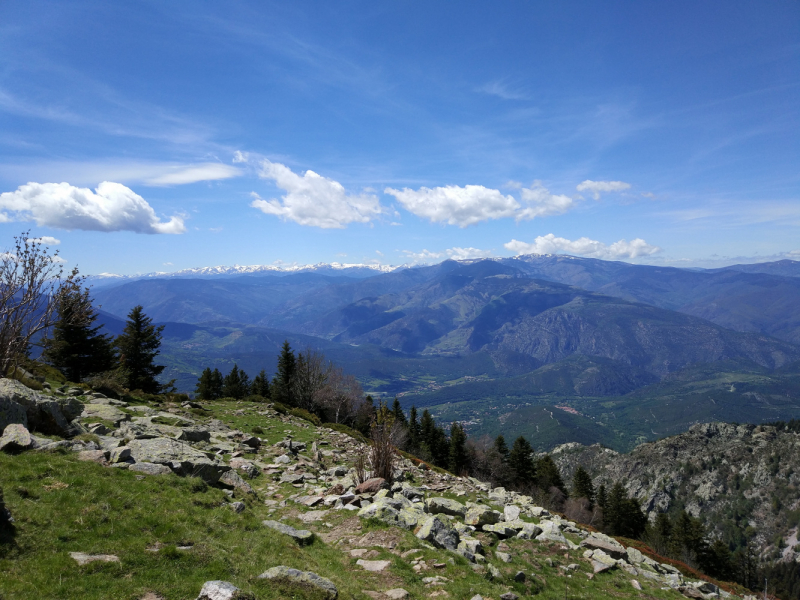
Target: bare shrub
pixel 386 435
pixel 360 466
pixel 579 509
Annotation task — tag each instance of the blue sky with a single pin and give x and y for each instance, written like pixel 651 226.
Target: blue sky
pixel 155 136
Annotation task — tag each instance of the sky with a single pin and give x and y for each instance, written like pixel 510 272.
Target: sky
pixel 156 136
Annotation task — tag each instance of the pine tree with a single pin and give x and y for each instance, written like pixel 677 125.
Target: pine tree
pixel 457 459
pixel 413 430
pixel 547 475
pixel 138 347
pixel 520 459
pixel 501 447
pixel 602 498
pixel 77 347
pixel 203 389
pixel 260 385
pixel 582 486
pixel 236 384
pixel 399 415
pixel 284 377
pixel 217 382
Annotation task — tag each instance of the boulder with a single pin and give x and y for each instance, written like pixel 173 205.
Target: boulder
pixel 397 594
pixel 438 532
pixel 44 413
pixel 371 486
pixel 481 515
pixel 119 454
pixel 529 531
pixel 237 507
pixel 511 512
pixel 301 536
pixel 98 456
pixel 246 467
pixel 221 590
pixel 500 530
pixel 104 412
pixel 180 457
pixel 550 532
pixel 446 506
pixel 231 479
pixel 605 543
pixel 194 434
pixel 150 468
pixel 412 493
pixel 12 412
pixel 16 438
pixel 84 559
pixel 303 577
pixel 374 566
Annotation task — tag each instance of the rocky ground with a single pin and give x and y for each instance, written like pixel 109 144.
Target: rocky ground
pixel 289 490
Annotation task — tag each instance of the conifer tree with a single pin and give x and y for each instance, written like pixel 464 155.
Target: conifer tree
pixel 236 384
pixel 520 459
pixel 77 347
pixel 582 486
pixel 284 377
pixel 217 382
pixel 399 415
pixel 547 475
pixel 204 387
pixel 501 447
pixel 457 459
pixel 138 347
pixel 413 430
pixel 260 385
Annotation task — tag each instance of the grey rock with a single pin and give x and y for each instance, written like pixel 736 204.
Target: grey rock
pixel 375 566
pixel 608 545
pixel 12 412
pixel 44 413
pixel 438 532
pixel 120 454
pixel 509 596
pixel 16 438
pixel 232 479
pixel 194 434
pixel 292 478
pixel 284 459
pixel 246 467
pixel 481 515
pixel 511 512
pixel 492 572
pixel 303 577
pixel 301 536
pixel 500 530
pixel 504 556
pixel 237 507
pixel 445 506
pixel 519 576
pixel 105 412
pixel 371 486
pixel 412 493
pixel 179 456
pixel 150 468
pixel 98 456
pixel 84 559
pixel 397 594
pixel 221 590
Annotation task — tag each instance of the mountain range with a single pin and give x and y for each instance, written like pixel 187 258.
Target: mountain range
pixel 544 326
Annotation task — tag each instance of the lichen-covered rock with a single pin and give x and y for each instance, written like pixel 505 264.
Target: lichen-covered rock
pixel 221 590
pixel 445 506
pixel 500 530
pixel 44 413
pixel 246 467
pixel 598 541
pixel 233 480
pixel 12 412
pixel 438 532
pixel 302 577
pixel 16 438
pixel 150 468
pixel 104 412
pixel 481 515
pixel 178 456
pixel 301 536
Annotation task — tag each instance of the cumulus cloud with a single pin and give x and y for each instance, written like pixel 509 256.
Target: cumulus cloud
pixel 550 244
pixel 111 207
pixel 455 205
pixel 45 240
pixel 541 203
pixel 471 204
pixel 597 187
pixel 454 253
pixel 314 200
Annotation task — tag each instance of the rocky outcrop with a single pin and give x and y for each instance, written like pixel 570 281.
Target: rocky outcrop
pixel 178 456
pixel 43 413
pixel 309 578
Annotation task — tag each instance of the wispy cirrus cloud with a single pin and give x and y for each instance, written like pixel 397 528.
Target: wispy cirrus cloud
pixel 502 90
pixel 111 207
pixel 455 253
pixel 598 187
pixel 550 244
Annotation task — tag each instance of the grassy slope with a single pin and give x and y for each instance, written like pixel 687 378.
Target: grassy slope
pixel 63 505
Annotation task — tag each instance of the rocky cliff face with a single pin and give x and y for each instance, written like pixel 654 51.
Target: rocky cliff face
pixel 742 480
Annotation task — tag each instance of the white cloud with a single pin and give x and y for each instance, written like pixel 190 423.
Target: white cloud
pixel 501 90
pixel 596 187
pixel 455 205
pixel 550 244
pixel 183 174
pixel 45 240
pixel 112 207
pixel 314 200
pixel 455 253
pixel 541 203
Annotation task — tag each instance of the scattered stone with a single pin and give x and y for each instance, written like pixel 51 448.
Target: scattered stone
pixel 605 543
pixel 374 566
pixel 237 507
pixel 511 512
pixel 371 486
pixel 307 577
pixel 504 556
pixel 509 596
pixel 480 515
pixel 16 438
pixel 221 590
pixel 446 506
pixel 98 456
pixel 600 567
pixel 636 584
pixel 150 468
pixel 690 592
pixel 179 456
pixel 120 454
pixel 84 559
pixel 397 594
pixel 232 479
pixel 312 515
pixel 284 459
pixel 301 536
pixel 519 577
pixel 48 415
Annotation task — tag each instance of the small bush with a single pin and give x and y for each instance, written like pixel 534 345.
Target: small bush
pixel 257 430
pixel 280 408
pixel 341 428
pixel 255 398
pixel 302 413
